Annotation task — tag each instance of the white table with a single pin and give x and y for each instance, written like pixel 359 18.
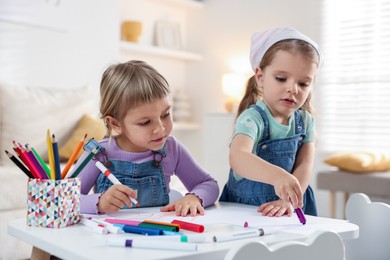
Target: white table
pixel 79 242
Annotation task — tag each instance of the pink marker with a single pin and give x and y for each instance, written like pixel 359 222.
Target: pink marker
pixel 113 179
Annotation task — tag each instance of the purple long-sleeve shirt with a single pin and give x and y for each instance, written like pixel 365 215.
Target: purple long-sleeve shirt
pixel 178 161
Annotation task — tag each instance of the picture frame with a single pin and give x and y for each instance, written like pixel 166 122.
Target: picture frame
pixel 168 35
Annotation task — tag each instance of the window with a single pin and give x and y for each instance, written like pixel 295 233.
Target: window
pixel 354 87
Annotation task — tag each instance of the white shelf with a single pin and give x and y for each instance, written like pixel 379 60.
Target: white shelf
pixel 185 126
pixel 193 4
pixel 158 51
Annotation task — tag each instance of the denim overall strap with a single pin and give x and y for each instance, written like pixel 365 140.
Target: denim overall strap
pixel 146 178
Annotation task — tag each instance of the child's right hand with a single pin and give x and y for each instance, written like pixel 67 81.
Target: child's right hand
pixel 288 189
pixel 115 198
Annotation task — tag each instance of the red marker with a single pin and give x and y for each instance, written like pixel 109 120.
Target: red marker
pixel 189 226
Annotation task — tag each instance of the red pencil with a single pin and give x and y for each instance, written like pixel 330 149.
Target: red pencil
pixel 19 164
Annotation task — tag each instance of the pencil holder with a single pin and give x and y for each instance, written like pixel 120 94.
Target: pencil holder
pixel 53 203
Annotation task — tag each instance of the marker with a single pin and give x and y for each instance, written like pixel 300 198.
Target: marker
pixel 123 221
pixel 113 179
pixel 172 233
pixel 256 232
pixel 148 231
pixel 162 225
pixel 149 244
pixel 300 215
pixel 196 238
pixel 96 227
pixel 110 227
pixel 189 226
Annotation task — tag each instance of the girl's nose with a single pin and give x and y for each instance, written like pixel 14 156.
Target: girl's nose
pixel 293 89
pixel 159 127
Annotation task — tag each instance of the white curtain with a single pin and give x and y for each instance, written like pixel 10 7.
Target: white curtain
pixel 353 92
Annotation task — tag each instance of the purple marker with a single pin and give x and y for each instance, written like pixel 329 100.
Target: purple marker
pixel 300 215
pixel 152 244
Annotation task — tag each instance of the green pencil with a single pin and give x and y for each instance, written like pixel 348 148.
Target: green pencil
pixel 41 162
pixel 82 165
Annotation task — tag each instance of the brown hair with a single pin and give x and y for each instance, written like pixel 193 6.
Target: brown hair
pixel 127 85
pixel 253 92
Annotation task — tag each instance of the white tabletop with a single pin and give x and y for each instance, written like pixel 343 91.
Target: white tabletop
pixel 79 242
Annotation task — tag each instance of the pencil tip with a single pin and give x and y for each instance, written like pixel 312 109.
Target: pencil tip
pixel 137 205
pixel 85 136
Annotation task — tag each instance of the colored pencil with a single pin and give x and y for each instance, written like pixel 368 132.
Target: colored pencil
pixel 40 160
pixel 30 165
pixel 19 164
pixel 83 163
pixel 34 161
pixel 56 158
pixel 73 156
pixel 19 153
pixel 50 155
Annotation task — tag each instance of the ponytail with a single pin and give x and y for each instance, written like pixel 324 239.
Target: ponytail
pixel 252 93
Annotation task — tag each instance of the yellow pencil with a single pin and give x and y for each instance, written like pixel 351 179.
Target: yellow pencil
pixel 72 158
pixel 50 155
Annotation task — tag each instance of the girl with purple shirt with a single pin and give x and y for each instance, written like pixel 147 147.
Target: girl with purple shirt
pixel 135 105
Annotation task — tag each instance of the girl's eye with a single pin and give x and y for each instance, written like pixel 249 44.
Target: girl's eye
pixel 144 123
pixel 166 115
pixel 281 79
pixel 304 84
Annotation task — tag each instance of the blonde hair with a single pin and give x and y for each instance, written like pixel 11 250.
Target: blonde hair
pixel 127 85
pixel 253 92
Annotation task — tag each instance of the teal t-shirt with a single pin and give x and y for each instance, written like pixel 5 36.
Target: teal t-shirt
pixel 251 124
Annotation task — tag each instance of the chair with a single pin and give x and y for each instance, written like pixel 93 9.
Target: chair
pixel 174 195
pixel 320 245
pixel 373 219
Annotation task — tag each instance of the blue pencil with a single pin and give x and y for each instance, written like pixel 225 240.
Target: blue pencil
pixel 56 158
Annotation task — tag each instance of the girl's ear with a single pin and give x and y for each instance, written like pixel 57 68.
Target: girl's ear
pixel 259 76
pixel 113 123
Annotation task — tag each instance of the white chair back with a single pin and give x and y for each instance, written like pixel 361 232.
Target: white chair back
pixel 320 245
pixel 174 195
pixel 373 219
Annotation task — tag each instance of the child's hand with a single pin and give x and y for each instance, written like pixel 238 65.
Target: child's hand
pixel 188 204
pixel 276 208
pixel 115 198
pixel 289 190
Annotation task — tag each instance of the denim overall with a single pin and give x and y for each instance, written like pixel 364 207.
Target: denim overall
pixel 147 178
pixel 280 152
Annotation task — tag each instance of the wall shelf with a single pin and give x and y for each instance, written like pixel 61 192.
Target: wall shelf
pixel 158 51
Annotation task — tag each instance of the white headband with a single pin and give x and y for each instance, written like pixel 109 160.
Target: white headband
pixel 262 41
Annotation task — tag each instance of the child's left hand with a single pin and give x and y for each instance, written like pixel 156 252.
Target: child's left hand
pixel 188 204
pixel 276 208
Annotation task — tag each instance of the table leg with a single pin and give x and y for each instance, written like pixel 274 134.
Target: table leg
pixel 38 254
pixel 332 204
